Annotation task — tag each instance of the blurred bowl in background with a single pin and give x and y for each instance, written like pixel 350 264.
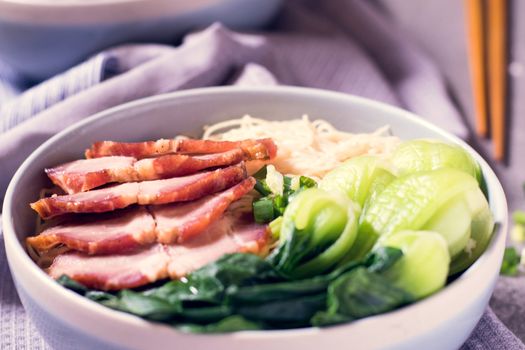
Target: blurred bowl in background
pixel 40 38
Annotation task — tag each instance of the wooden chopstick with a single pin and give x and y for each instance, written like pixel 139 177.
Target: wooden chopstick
pixel 497 47
pixel 475 24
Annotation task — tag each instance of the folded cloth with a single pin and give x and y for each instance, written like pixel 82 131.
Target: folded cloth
pixel 337 45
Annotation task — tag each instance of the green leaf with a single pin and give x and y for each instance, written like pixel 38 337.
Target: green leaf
pixel 323 319
pixel 193 288
pixel 232 323
pixel 511 262
pixel 207 314
pixel 209 283
pixel 69 283
pixel 360 293
pixel 261 293
pixel 382 258
pixel 294 312
pixel 149 307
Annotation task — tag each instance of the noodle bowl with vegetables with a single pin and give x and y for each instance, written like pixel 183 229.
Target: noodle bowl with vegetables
pixel 263 225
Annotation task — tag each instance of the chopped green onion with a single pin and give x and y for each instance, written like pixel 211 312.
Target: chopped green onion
pixel 262 187
pixel 275 227
pixel 263 211
pixel 279 204
pixel 305 181
pixel 519 217
pixel 277 190
pixel 511 262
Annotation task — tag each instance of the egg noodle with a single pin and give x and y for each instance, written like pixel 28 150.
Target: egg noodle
pixel 305 147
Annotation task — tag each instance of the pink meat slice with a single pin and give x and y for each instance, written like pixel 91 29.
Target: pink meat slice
pixel 85 174
pixel 224 236
pixel 187 188
pixel 113 272
pixel 115 232
pixel 181 164
pixel 182 221
pixel 97 201
pixel 177 189
pixel 254 149
pixel 132 149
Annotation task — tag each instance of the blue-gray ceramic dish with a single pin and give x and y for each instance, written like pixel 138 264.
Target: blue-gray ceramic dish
pixel 40 38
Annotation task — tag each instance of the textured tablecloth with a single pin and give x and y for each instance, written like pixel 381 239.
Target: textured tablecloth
pixel 343 45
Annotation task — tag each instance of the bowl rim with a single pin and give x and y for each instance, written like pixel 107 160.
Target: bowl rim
pixel 76 13
pixel 16 251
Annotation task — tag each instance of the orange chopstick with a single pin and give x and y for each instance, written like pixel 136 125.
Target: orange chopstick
pixel 497 47
pixel 475 23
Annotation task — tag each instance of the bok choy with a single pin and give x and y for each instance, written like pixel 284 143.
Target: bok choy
pixel 317 230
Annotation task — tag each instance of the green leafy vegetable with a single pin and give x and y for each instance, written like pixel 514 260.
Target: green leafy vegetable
pixel 243 291
pixel 481 228
pixel 72 284
pixel 228 324
pixel 447 201
pixel 289 313
pixel 146 306
pixel 423 269
pixel 360 178
pixel 511 262
pixel 424 155
pixel 317 230
pixel 360 293
pixel 383 258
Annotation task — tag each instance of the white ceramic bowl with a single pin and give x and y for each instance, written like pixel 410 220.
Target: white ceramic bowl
pixel 68 321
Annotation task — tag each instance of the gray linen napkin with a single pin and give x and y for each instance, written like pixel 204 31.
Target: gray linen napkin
pixel 337 45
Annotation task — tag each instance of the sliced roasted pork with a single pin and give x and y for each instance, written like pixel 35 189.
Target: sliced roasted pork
pixel 113 272
pixel 132 149
pixel 187 188
pixel 86 174
pixel 97 201
pixel 116 232
pixel 177 189
pixel 182 164
pixel 227 235
pixel 254 149
pixel 261 149
pixel 182 221
pixel 83 175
